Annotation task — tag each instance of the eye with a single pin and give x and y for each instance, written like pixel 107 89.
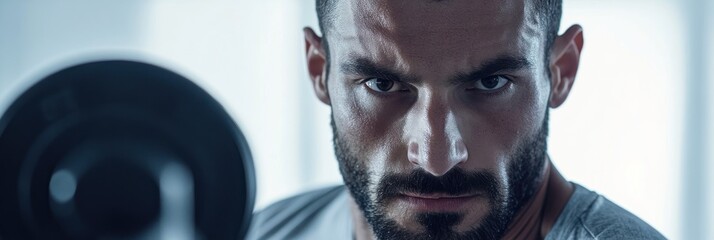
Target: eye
pixel 384 85
pixel 490 83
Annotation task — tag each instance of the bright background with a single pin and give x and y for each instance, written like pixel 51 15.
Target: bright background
pixel 634 129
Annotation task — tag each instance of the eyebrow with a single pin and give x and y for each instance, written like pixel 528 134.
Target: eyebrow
pixel 365 67
pixel 490 67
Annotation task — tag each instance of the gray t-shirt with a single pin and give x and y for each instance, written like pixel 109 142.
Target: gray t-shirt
pixel 325 214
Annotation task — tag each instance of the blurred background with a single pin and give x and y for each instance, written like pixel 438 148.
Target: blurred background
pixel 636 127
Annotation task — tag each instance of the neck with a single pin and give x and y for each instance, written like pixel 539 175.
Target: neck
pixel 537 216
pixel 362 229
pixel 558 194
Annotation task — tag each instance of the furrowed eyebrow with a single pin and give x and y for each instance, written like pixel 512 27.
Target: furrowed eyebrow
pixel 365 67
pixel 503 63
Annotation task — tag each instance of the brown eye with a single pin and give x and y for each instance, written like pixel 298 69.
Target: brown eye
pixel 490 83
pixel 383 85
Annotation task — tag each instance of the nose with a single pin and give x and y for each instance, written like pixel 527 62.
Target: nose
pixel 434 140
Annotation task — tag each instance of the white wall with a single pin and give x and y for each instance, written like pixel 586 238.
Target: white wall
pixel 620 132
pixel 710 79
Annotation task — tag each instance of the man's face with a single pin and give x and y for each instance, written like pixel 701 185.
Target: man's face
pixel 439 112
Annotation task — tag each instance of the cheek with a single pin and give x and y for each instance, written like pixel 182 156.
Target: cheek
pixel 493 129
pixel 368 126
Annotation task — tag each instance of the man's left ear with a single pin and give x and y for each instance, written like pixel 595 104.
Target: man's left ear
pixel 564 61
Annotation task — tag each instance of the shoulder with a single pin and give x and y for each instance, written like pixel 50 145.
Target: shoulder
pixel 588 215
pixel 297 215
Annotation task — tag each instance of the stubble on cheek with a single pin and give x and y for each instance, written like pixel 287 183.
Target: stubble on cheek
pixel 355 122
pixel 376 153
pixel 372 133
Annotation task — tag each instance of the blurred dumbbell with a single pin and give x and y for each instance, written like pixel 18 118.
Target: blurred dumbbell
pixel 122 150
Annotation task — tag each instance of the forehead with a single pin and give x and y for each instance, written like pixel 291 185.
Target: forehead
pixel 409 34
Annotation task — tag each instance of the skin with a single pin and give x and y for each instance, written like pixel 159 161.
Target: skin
pixel 436 117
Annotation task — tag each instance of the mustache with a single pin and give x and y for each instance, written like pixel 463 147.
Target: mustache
pixel 454 182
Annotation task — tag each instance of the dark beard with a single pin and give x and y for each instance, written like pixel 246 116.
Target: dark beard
pixel 524 177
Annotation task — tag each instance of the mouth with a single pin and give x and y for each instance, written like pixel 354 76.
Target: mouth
pixel 437 202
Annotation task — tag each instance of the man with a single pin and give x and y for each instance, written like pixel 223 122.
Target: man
pixel 440 119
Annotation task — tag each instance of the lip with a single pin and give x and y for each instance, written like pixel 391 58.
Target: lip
pixel 436 202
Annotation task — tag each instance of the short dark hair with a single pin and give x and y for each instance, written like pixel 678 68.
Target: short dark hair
pixel 549 12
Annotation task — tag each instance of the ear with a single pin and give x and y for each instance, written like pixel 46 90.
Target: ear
pixel 564 61
pixel 316 64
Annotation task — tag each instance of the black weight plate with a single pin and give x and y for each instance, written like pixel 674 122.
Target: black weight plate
pixel 134 114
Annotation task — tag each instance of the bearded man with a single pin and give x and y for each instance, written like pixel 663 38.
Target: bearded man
pixel 440 120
